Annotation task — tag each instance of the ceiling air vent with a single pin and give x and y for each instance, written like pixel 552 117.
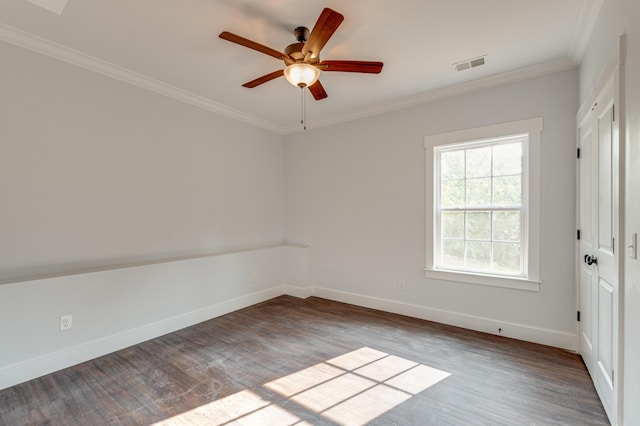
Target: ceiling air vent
pixel 463 66
pixel 469 63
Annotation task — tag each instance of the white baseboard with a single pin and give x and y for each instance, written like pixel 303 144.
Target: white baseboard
pixel 515 331
pixel 300 292
pixel 12 375
pixel 32 368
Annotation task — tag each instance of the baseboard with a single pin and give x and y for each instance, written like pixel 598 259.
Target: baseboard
pixel 300 292
pixel 32 368
pixel 487 325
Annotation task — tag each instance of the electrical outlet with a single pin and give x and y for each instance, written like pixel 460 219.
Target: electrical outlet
pixel 66 321
pixel 401 285
pixel 254 277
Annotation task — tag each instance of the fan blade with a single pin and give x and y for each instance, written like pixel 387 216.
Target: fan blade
pixel 260 80
pixel 328 22
pixel 225 35
pixel 318 91
pixel 352 66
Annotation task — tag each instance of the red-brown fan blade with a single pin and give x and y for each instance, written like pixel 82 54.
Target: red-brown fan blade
pixel 225 35
pixel 260 80
pixel 352 66
pixel 317 91
pixel 327 24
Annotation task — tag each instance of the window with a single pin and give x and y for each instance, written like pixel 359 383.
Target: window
pixel 479 209
pixel 483 205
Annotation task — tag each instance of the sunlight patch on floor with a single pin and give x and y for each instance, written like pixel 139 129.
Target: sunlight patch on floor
pixel 304 379
pixel 335 391
pixel 357 358
pixel 243 408
pixel 385 368
pixel 220 411
pixel 418 379
pixel 351 389
pixel 357 387
pixel 364 407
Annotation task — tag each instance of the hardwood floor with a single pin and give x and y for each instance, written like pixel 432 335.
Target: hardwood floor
pixel 313 361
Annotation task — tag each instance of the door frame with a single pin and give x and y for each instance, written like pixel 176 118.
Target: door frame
pixel 613 69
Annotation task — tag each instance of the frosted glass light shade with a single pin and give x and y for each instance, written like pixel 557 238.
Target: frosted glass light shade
pixel 301 74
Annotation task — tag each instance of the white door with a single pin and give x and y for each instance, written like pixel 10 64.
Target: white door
pixel 598 259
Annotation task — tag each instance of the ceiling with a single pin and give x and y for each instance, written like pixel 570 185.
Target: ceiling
pixel 172 47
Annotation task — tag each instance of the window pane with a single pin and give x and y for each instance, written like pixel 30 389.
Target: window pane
pixel 453 225
pixel 479 192
pixel 507 191
pixel 478 255
pixel 453 253
pixel 507 159
pixel 479 226
pixel 506 258
pixel 452 193
pixel 452 165
pixel 507 226
pixel 478 162
pixel 480 205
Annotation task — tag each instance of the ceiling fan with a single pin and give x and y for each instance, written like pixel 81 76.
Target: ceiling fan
pixel 302 59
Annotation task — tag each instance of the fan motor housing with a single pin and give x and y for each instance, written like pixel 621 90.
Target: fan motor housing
pixel 295 51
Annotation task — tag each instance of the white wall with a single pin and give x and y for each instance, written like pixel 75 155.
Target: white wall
pixel 355 192
pixel 623 17
pixel 116 308
pixel 96 172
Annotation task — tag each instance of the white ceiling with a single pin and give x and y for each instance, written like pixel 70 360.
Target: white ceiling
pixel 172 47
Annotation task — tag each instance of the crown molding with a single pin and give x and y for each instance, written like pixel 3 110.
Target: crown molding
pixel 589 14
pixel 74 57
pixel 57 51
pixel 538 70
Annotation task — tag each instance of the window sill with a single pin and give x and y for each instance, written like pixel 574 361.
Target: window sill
pixel 490 280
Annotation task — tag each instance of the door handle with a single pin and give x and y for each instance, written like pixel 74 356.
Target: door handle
pixel 590 260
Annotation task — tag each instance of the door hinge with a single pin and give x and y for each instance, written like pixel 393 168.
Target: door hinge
pixel 613 112
pixel 578 154
pixel 612 377
pixel 578 316
pixel 578 234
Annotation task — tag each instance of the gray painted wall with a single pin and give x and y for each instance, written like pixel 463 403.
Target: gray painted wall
pixel 355 192
pixel 96 172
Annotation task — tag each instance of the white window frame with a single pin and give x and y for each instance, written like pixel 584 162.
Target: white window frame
pixel 530 199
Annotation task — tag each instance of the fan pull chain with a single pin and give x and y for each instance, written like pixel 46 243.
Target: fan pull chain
pixel 304 109
pixel 302 105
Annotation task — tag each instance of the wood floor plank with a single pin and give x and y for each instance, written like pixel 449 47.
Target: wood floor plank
pixel 223 368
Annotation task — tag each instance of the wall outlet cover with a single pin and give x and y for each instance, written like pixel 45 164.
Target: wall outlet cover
pixel 66 322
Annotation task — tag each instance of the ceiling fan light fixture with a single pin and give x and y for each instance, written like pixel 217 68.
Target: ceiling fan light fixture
pixel 301 74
